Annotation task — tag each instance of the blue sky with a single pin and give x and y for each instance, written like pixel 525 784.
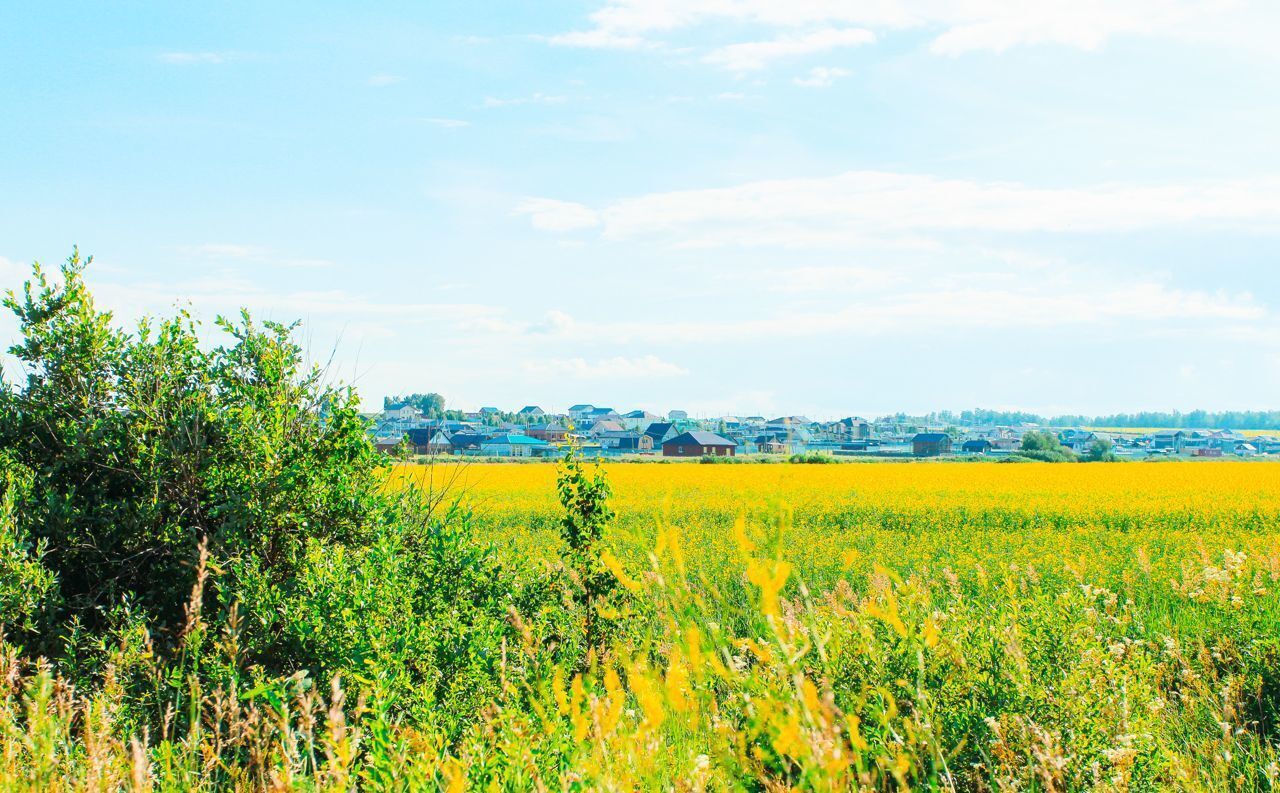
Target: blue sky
pixel 726 206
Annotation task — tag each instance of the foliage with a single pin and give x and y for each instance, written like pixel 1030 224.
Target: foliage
pixel 1045 447
pixel 432 404
pixel 813 458
pixel 1100 451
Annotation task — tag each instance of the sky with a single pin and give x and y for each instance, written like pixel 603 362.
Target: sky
pixel 827 207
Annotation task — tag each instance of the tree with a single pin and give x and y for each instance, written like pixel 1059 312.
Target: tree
pixel 133 449
pixel 432 404
pixel 1100 451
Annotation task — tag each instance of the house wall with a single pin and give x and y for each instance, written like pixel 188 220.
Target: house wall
pixel 695 450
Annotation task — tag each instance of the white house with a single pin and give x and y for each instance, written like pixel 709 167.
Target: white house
pixel 400 411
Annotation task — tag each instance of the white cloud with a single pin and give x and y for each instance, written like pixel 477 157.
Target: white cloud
pixel 1018 305
pixel 198 57
pixel 617 368
pixel 861 205
pixel 534 99
pixel 598 39
pixel 383 80
pixel 959 25
pixel 548 214
pixel 821 77
pixel 756 55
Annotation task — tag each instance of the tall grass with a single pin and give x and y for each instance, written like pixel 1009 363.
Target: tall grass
pixel 921 631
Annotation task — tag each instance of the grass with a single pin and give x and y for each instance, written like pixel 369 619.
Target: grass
pixel 823 627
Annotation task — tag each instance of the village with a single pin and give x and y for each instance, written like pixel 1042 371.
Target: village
pixel 531 433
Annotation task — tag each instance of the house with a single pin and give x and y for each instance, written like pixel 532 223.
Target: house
pixel 677 415
pixel 699 444
pixel 638 419
pixel 601 427
pixel 400 411
pixel 931 444
pixel 465 442
pixel 551 433
pixel 1173 440
pixel 580 412
pixel 513 446
pixel 772 444
pixel 602 414
pixel 976 446
pixel 489 411
pixel 661 432
pixel 531 411
pixel 854 428
pixel 626 441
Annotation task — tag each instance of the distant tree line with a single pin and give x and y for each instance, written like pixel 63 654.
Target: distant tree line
pixel 1195 419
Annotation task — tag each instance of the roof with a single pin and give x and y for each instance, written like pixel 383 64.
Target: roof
pixel 639 414
pixel 462 440
pixel 514 440
pixel 489 410
pixel 606 425
pixel 397 406
pixel 658 428
pixel 931 437
pixel 576 408
pixel 698 438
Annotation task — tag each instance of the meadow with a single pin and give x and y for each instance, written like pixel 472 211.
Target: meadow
pixel 1007 626
pixel 210 580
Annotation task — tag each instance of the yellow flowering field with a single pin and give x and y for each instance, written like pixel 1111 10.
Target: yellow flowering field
pixel 944 626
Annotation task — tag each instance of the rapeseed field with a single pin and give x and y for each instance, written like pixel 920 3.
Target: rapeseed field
pixel 1050 627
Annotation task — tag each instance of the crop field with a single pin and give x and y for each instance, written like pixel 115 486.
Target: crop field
pixel 1047 627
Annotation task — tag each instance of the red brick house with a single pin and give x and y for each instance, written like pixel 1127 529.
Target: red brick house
pixel 699 444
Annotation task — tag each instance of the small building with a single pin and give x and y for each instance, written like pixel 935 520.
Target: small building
pixel 580 411
pixel 626 442
pixel 551 433
pixel 607 425
pixel 661 432
pixel 1172 440
pixel 638 419
pixel 677 415
pixel 465 442
pixel 400 411
pixel 931 444
pixel 513 446
pixel 489 411
pixel 532 411
pixel 699 444
pixel 976 446
pixel 772 444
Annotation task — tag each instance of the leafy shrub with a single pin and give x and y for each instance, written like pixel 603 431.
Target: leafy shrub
pixel 813 458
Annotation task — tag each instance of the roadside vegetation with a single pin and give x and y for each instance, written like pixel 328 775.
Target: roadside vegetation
pixel 208 579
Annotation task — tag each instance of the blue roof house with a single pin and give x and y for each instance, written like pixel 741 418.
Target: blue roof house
pixel 514 446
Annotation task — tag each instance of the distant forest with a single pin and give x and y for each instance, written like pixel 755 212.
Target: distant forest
pixel 1195 419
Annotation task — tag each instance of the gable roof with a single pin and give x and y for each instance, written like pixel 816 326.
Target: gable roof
pixel 584 406
pixel 657 429
pixel 530 409
pixel 930 437
pixel 700 438
pixel 606 425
